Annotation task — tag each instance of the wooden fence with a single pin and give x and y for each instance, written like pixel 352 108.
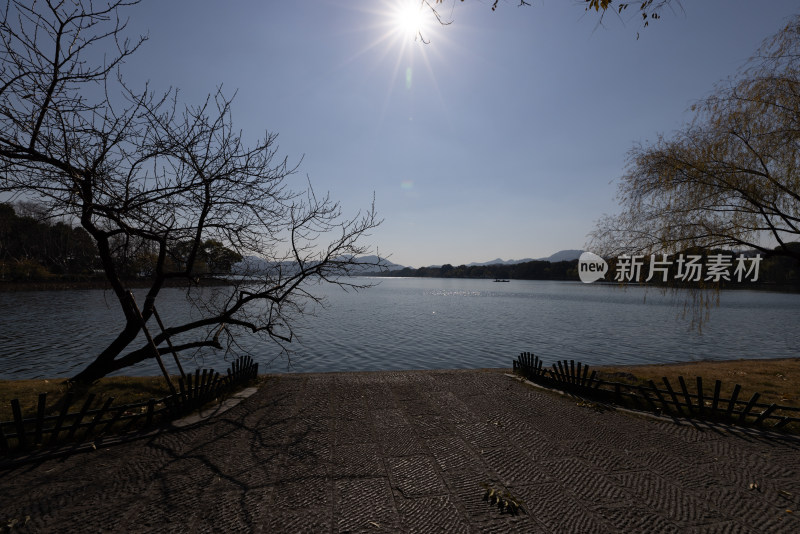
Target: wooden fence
pixel 94 420
pixel 575 378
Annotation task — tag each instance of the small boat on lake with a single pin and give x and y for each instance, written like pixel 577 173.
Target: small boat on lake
pixel 499 280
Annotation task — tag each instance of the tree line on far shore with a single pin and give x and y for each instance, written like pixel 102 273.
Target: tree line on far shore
pixel 531 270
pixel 35 248
pixel 774 270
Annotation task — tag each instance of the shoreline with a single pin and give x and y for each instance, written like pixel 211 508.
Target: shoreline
pixel 767 288
pixel 102 283
pixel 776 379
pixel 642 366
pixel 14 287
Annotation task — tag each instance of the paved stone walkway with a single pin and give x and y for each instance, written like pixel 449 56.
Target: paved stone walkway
pixel 410 452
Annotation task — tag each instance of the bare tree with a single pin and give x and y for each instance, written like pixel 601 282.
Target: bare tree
pixel 730 178
pixel 137 169
pixel 648 10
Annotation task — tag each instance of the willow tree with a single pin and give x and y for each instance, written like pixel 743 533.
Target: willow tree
pixel 730 178
pixel 135 167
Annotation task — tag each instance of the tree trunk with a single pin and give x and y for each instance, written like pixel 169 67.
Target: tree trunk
pixel 105 361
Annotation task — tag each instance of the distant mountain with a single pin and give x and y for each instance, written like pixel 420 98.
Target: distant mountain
pixel 563 255
pixel 371 263
pixel 253 265
pixel 499 261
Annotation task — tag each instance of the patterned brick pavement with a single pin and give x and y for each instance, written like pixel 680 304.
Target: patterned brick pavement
pixel 411 452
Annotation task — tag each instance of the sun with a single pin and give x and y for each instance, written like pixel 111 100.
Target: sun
pixel 410 18
pixel 402 32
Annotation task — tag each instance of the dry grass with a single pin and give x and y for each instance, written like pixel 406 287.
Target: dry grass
pixel 778 380
pixel 124 389
pixel 130 392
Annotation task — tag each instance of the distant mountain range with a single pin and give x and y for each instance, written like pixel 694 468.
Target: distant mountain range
pixel 561 255
pixel 371 261
pixel 564 255
pixel 498 261
pixel 254 265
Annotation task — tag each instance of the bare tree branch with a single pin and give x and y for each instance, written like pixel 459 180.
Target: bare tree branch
pixel 163 189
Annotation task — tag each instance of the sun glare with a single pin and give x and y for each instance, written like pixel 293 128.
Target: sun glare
pixel 404 31
pixel 410 18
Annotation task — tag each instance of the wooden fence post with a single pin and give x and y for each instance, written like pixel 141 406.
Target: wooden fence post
pixel 37 439
pixel 19 423
pixel 715 402
pixel 60 422
pixel 700 403
pixel 81 414
pixel 686 395
pixel 732 401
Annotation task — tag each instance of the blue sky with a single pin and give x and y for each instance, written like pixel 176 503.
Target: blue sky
pixel 502 137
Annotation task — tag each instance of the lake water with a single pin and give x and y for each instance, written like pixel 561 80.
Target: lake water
pixel 427 323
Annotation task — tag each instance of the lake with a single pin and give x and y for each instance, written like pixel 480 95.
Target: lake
pixel 426 323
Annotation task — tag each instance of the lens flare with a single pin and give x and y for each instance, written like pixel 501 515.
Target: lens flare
pixel 410 18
